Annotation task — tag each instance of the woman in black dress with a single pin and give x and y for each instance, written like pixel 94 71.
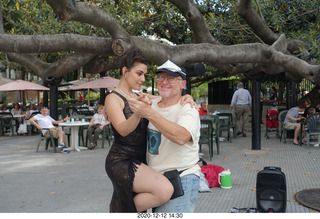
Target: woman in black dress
pixel 137 187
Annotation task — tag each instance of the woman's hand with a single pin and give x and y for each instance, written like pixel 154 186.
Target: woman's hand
pixel 141 107
pixel 188 99
pixel 144 98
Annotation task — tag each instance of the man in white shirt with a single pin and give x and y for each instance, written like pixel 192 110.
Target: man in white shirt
pixel 43 120
pixel 241 102
pixel 173 134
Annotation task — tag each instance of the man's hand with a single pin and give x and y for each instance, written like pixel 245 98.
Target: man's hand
pixel 39 127
pixel 140 106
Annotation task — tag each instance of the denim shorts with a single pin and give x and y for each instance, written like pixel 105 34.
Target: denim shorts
pixel 187 202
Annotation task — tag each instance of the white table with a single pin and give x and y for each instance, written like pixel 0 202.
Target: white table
pixel 74 126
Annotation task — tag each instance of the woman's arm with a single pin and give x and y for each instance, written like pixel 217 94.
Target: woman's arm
pixel 114 109
pixel 91 121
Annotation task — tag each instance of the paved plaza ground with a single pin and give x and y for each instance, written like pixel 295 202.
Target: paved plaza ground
pixel 47 182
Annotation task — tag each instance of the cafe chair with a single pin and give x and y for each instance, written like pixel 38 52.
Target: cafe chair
pixel 282 131
pixel 30 126
pixel 7 121
pixel 206 136
pixel 2 130
pixel 85 111
pixel 67 132
pixel 49 139
pixel 312 127
pixel 215 130
pixel 72 111
pixel 232 124
pixel 106 134
pixel 225 124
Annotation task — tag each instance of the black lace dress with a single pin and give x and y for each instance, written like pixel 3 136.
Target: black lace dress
pixel 121 162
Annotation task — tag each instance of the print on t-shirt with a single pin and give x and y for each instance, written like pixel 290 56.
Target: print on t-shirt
pixel 154 140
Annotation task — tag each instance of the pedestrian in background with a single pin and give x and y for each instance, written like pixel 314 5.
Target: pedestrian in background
pixel 241 102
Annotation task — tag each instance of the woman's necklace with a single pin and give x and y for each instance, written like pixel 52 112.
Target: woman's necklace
pixel 126 95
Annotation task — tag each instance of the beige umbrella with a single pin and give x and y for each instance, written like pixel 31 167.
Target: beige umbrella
pixel 22 85
pixel 104 82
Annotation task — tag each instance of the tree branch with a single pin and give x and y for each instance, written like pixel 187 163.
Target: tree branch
pixel 55 43
pixel 189 10
pixel 90 15
pixel 245 10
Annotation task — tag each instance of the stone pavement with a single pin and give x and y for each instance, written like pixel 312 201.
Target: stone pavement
pixel 47 182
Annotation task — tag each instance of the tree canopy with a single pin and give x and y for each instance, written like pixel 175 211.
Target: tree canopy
pixel 254 38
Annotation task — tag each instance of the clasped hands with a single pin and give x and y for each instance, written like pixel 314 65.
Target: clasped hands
pixel 141 105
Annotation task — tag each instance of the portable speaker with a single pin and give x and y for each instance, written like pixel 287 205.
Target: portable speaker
pixel 271 190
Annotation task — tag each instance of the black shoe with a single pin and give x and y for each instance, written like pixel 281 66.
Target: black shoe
pixel 239 133
pixel 244 135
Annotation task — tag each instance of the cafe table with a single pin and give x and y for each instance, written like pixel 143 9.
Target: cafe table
pixel 74 129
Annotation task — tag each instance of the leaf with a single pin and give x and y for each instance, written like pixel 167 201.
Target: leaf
pixel 253 189
pixel 51 193
pixel 18 6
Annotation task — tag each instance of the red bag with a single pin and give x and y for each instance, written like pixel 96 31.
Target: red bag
pixel 211 173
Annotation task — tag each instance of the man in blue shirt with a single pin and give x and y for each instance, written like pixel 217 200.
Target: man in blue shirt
pixel 241 102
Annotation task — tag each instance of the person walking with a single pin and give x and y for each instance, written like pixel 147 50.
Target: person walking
pixel 241 102
pixel 173 133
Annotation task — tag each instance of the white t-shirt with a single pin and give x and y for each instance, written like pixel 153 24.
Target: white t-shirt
pixel 99 119
pixel 44 121
pixel 164 155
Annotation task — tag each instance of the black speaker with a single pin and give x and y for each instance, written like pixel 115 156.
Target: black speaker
pixel 271 190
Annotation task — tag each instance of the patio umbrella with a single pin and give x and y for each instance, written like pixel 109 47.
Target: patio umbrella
pixel 104 82
pixel 22 85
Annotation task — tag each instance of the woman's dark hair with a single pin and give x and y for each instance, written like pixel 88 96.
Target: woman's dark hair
pixel 274 89
pixel 132 57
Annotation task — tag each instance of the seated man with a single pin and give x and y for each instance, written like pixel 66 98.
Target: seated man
pixel 43 120
pixel 203 110
pixel 292 120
